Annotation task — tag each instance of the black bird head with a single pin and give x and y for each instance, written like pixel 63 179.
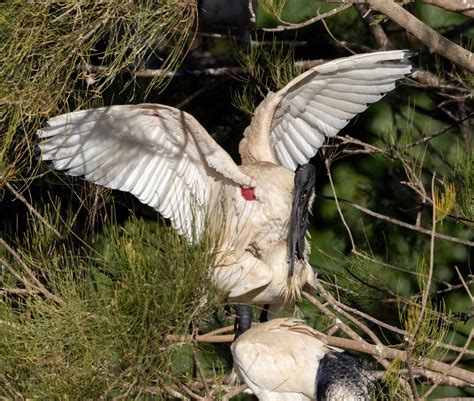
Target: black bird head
pixel 305 178
pixel 342 376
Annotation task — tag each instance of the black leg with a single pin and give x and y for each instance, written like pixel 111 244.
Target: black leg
pixel 264 315
pixel 243 321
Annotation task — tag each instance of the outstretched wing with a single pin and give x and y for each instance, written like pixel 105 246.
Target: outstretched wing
pixel 289 126
pixel 160 154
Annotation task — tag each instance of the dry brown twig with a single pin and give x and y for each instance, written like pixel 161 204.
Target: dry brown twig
pixel 409 226
pixel 438 380
pixel 36 284
pixel 383 351
pixel 465 7
pixel 319 17
pixel 464 284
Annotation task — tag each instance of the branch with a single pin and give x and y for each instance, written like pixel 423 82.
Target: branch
pixel 456 6
pixel 152 73
pixel 464 284
pixel 435 42
pixel 203 72
pixel 400 331
pixel 439 379
pixel 383 351
pixel 319 17
pixel 381 38
pixel 407 225
pixel 443 130
pixel 426 290
pixel 32 210
pixel 211 337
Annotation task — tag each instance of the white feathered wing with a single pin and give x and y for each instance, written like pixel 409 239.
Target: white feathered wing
pixel 289 126
pixel 160 154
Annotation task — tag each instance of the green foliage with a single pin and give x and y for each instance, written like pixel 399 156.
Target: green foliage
pixel 118 306
pixel 116 298
pixel 265 70
pixel 46 47
pixel 463 176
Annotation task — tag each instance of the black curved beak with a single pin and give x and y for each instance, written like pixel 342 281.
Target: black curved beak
pixel 305 178
pixel 243 320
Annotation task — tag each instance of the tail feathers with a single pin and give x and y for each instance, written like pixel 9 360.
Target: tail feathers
pixel 342 376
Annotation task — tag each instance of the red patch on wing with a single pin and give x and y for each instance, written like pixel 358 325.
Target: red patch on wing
pixel 248 193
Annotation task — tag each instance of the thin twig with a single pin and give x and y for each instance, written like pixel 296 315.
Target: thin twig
pixel 189 392
pixel 336 306
pixel 384 351
pixel 371 319
pixel 10 268
pixel 200 372
pixel 7 290
pixel 196 359
pixel 203 72
pixel 333 189
pixel 32 210
pixel 346 329
pixel 235 391
pixel 430 137
pixel 319 17
pixel 454 363
pixel 407 225
pixel 464 284
pixel 401 331
pixel 426 290
pixel 41 288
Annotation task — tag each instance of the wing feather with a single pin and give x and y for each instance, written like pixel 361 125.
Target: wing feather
pixel 161 155
pixel 283 155
pixel 319 103
pixel 313 135
pixel 297 134
pixel 292 147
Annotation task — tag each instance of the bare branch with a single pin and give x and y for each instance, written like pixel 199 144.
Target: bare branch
pixel 381 38
pixel 456 6
pixel 465 7
pixel 392 353
pixel 435 42
pixel 407 225
pixel 454 363
pixel 333 189
pixel 319 17
pixel 430 137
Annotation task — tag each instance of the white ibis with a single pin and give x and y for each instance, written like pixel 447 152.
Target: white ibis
pixel 254 211
pixel 283 360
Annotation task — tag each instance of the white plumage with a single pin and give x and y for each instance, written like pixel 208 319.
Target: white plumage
pixel 283 360
pixel 167 160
